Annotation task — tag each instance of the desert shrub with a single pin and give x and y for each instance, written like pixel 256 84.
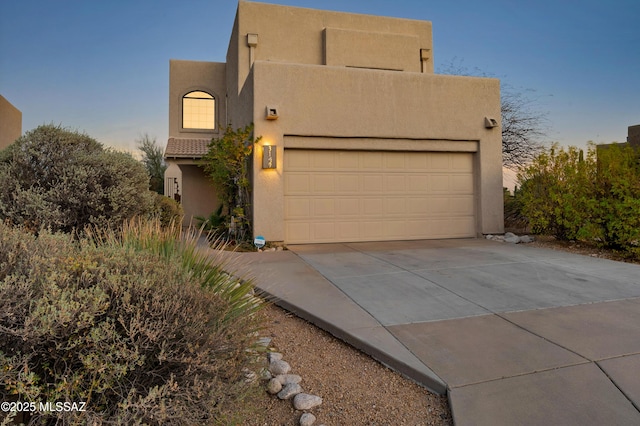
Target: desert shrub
pixel 167 210
pixel 594 198
pixel 139 325
pixel 64 180
pixel 618 198
pixel 556 192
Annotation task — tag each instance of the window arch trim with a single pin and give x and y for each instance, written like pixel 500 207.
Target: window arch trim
pixel 199 110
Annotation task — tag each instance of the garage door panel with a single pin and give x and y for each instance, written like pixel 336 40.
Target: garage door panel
pixel 297 208
pixel 348 207
pixel 418 205
pixel 301 230
pixel 297 183
pixel 323 207
pixel 322 160
pixel 440 183
pixel 461 162
pixel 439 206
pixel 369 196
pixel 394 183
pixel 395 206
pixel 372 206
pixel 323 184
pixel 371 228
pixel 348 230
pixel 464 226
pixel 462 205
pixel 395 229
pixel 418 161
pixel 440 161
pixel 419 183
pixel 295 161
pixel 372 184
pixel 462 184
pixel 347 183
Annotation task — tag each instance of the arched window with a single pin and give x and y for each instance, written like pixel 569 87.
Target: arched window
pixel 198 111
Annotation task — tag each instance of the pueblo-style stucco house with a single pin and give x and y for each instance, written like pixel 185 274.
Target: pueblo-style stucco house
pixel 633 135
pixel 10 123
pixel 360 140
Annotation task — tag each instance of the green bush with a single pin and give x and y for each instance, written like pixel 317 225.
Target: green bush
pixel 64 180
pixel 556 192
pixel 167 210
pixel 215 223
pixel 618 198
pixel 593 197
pixel 227 163
pixel 137 324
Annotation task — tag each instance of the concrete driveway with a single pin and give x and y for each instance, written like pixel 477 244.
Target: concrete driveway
pixel 513 334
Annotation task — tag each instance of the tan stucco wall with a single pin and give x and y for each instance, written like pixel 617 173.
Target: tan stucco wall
pixel 296 35
pixel 186 76
pixel 199 197
pixel 343 102
pixel 10 123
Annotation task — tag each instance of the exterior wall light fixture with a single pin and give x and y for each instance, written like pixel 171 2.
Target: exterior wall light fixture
pixel 490 123
pixel 272 113
pixel 269 157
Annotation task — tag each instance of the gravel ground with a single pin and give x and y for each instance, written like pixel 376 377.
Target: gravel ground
pixel 356 390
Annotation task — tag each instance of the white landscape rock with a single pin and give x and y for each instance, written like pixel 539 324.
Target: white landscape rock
pixel 274 386
pixel 305 401
pixel 510 237
pixel 285 379
pixel 278 366
pixel 307 419
pixel 287 386
pixel 289 391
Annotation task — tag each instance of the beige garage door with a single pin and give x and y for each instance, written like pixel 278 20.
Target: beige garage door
pixel 333 196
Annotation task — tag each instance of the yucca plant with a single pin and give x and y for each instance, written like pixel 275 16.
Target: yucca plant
pixel 206 266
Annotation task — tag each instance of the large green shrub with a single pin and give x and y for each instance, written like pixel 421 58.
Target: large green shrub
pixel 64 180
pixel 593 197
pixel 137 324
pixel 556 192
pixel 167 210
pixel 618 197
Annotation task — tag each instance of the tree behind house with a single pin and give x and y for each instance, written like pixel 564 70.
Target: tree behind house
pixel 153 160
pixel 524 125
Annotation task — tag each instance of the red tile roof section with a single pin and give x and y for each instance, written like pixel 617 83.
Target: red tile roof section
pixel 186 148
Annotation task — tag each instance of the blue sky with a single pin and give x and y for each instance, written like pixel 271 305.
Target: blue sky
pixel 103 66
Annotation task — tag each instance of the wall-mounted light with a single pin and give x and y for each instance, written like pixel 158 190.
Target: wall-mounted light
pixel 269 157
pixel 252 40
pixel 490 123
pixel 272 113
